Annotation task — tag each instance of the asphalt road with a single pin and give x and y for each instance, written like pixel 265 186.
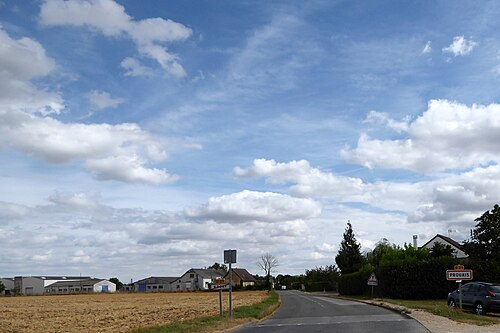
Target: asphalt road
pixel 315 313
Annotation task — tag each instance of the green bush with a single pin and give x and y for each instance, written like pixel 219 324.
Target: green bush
pixel 355 283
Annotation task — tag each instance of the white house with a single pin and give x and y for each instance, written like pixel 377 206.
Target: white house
pixel 197 279
pixel 81 286
pixel 459 252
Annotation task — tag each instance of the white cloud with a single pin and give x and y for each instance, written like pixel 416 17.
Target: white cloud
pixel 384 118
pixel 134 68
pixel 117 152
pixel 128 168
pixel 427 48
pixel 110 18
pixel 103 100
pixel 21 61
pixel 256 206
pixel 307 181
pixel 460 46
pixel 447 136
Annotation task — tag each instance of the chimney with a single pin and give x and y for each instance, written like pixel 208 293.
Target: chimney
pixel 415 241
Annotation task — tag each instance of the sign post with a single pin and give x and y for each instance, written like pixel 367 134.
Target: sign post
pixel 373 281
pixel 230 258
pixel 458 274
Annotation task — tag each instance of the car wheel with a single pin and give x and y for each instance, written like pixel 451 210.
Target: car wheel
pixel 451 303
pixel 479 309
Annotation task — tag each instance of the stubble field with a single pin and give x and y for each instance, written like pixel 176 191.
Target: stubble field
pixel 106 313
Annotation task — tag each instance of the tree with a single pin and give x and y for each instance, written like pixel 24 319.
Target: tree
pixel 268 263
pixel 322 278
pixel 349 258
pixel 441 250
pixel 484 243
pixel 382 247
pixel 118 283
pixel 217 266
pixel 2 287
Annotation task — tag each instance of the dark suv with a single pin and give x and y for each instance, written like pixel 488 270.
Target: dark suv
pixel 482 297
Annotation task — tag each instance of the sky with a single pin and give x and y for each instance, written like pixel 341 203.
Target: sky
pixel 144 138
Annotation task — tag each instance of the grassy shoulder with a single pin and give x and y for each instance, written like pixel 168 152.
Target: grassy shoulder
pixel 438 307
pixel 241 315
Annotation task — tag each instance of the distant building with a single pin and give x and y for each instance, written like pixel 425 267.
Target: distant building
pixel 240 277
pixel 197 279
pixel 459 252
pixel 9 285
pixel 39 285
pixel 81 286
pixel 154 284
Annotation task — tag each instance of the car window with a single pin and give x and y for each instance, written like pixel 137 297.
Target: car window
pixel 466 287
pixel 475 287
pixel 495 289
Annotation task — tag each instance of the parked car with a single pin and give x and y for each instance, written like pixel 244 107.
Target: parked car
pixel 481 297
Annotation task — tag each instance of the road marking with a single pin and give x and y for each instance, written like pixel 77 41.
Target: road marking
pixel 307 321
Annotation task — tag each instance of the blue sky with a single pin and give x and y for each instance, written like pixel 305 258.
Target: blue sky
pixel 144 138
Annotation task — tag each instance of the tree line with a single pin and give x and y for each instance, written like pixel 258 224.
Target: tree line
pixel 405 272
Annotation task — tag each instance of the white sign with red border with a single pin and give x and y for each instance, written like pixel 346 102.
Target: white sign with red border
pixel 372 280
pixel 459 274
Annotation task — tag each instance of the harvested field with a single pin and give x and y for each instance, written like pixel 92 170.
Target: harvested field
pixel 106 313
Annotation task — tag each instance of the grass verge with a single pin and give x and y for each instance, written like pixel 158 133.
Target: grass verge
pixel 241 315
pixel 439 307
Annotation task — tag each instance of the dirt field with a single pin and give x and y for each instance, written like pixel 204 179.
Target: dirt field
pixel 108 313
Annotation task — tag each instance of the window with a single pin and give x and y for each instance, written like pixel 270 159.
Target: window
pixel 191 276
pixel 155 287
pixel 160 287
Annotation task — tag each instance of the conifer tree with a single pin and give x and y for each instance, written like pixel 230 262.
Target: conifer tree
pixel 349 258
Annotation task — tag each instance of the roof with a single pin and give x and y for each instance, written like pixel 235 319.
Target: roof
pixel 48 277
pixel 446 239
pixel 157 280
pixel 83 283
pixel 243 275
pixel 207 272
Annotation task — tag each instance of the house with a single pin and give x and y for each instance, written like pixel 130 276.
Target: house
pixel 80 286
pixel 240 277
pixel 197 279
pixel 459 252
pixel 154 284
pixel 8 284
pixel 35 285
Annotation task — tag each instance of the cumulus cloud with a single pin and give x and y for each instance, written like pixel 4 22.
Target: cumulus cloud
pixel 108 17
pixel 255 206
pixel 384 118
pixel 460 46
pixel 103 100
pixel 119 152
pixel 21 61
pixel 448 136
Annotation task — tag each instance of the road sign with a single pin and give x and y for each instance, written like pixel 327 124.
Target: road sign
pixel 223 286
pixel 372 280
pixel 459 274
pixel 229 256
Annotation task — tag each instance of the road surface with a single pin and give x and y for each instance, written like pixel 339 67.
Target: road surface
pixel 301 312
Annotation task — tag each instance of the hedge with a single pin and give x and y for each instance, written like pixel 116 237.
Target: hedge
pixel 355 283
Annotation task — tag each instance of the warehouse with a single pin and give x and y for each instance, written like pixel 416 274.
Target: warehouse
pixel 81 286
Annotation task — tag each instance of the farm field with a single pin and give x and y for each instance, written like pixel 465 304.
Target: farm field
pixel 106 313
